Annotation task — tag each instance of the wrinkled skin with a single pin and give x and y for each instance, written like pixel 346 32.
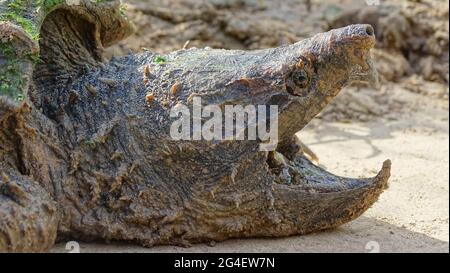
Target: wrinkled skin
pixel 86 156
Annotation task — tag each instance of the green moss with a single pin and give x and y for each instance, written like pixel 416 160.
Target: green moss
pixel 16 13
pixel 159 60
pixel 16 5
pixel 20 12
pixel 89 143
pixel 123 9
pixel 48 4
pixel 11 78
pixel 27 25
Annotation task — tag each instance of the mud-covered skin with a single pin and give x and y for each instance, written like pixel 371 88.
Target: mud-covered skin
pixel 98 156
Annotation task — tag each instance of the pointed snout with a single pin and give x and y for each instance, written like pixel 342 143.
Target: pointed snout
pixel 339 44
pixel 353 36
pixel 363 32
pixel 344 54
pixel 358 40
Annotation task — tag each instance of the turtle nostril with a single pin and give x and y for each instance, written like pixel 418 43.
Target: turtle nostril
pixel 369 30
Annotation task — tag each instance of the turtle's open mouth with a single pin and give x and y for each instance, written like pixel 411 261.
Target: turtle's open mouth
pixel 319 198
pixel 328 200
pixel 322 200
pixel 296 169
pixel 299 172
pixel 302 173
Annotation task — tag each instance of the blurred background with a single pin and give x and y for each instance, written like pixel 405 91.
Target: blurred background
pixel 406 119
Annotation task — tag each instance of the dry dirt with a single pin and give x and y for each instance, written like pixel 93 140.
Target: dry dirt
pixel 406 119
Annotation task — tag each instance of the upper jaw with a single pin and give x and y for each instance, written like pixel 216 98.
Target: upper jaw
pixel 365 71
pixel 356 41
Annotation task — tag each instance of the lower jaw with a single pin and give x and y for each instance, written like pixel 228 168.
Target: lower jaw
pixel 314 199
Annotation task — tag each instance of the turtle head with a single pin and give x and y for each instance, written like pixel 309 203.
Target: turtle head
pixel 307 75
pixel 329 61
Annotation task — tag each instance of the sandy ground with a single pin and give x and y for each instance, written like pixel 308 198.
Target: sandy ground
pixel 411 216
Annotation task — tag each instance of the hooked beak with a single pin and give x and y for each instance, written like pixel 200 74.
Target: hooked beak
pixel 366 72
pixel 345 53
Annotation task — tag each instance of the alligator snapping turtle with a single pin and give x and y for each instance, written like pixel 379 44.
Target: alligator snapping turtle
pixel 87 153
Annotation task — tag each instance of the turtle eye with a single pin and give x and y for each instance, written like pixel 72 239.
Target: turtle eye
pixel 297 82
pixel 300 78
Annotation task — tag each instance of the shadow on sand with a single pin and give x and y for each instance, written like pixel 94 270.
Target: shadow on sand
pixel 362 235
